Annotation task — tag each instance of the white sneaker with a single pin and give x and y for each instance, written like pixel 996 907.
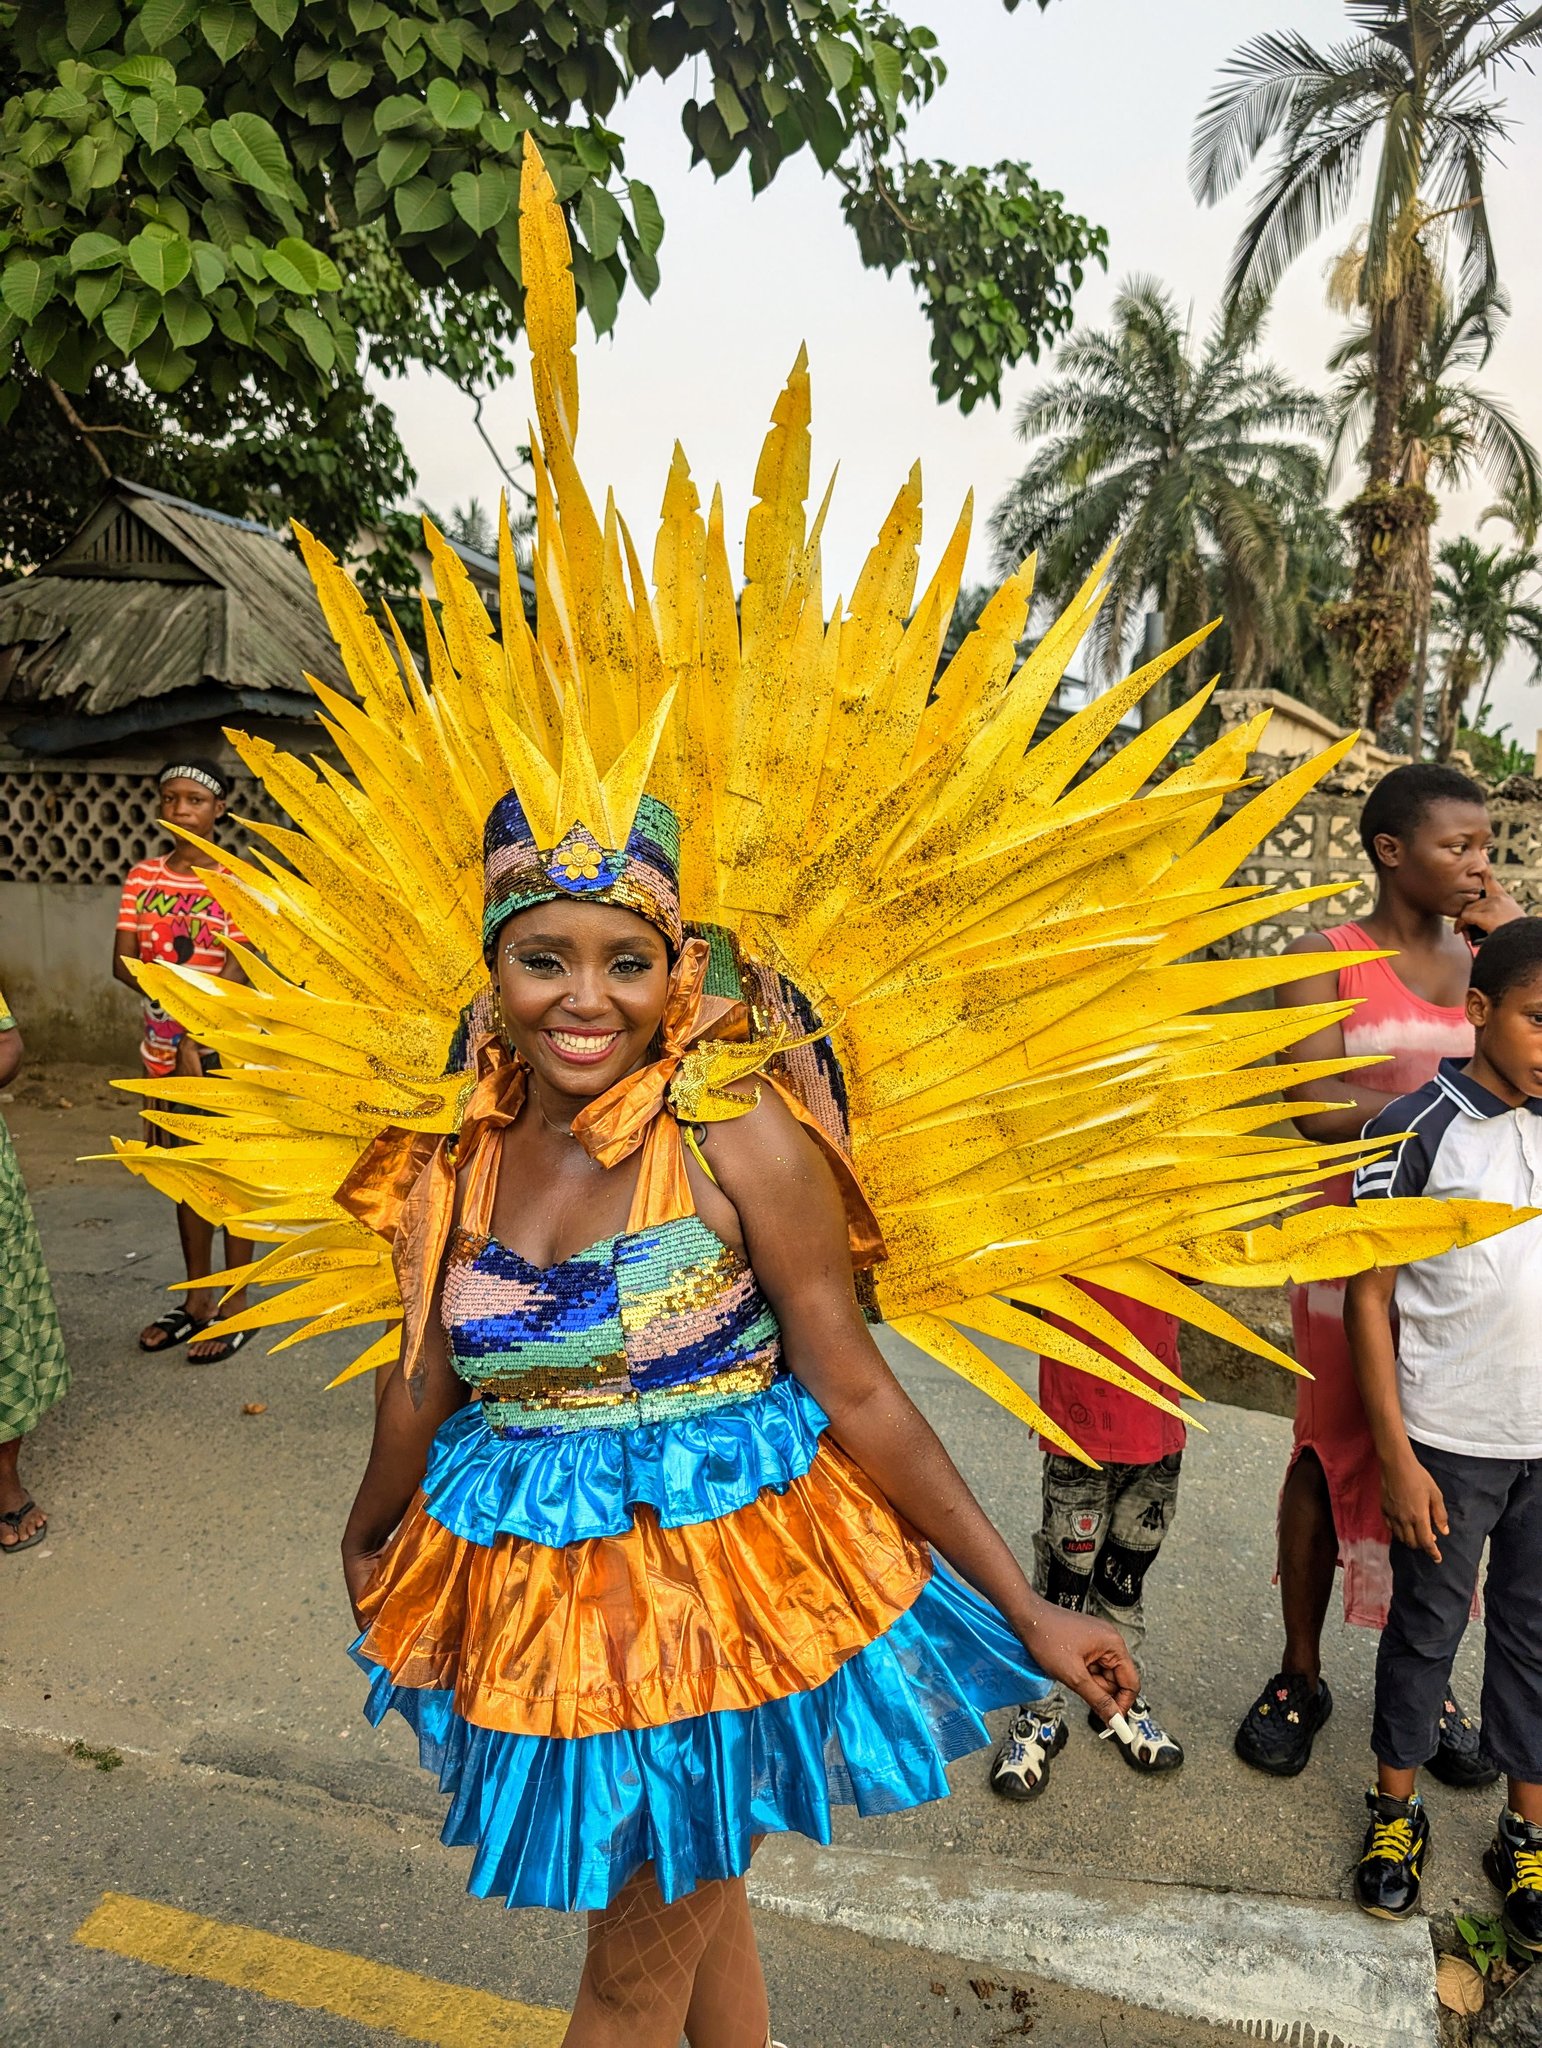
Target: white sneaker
pixel 1143 1742
pixel 1021 1763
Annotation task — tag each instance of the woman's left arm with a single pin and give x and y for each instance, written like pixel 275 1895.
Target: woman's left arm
pixel 12 1051
pixel 795 1234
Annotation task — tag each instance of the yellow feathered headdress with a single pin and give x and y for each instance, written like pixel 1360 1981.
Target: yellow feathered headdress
pixel 1043 1084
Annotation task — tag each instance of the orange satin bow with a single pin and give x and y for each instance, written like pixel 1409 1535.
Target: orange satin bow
pixel 627 1115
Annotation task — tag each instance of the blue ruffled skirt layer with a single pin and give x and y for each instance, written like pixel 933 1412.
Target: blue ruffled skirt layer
pixel 564 1823
pixel 581 1483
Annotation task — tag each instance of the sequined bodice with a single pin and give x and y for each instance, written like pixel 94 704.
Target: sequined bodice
pixel 649 1325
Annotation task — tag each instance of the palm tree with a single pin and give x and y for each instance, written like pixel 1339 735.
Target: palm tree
pixel 1486 604
pixel 1415 86
pixel 971 601
pixel 1449 428
pixel 1519 507
pixel 1192 459
pixel 1305 662
pixel 473 526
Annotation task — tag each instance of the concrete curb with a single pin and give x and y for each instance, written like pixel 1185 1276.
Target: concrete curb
pixel 1316 1974
pixel 1321 1975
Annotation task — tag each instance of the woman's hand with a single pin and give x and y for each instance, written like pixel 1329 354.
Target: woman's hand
pixel 1414 1506
pixel 1088 1657
pixel 1496 906
pixel 359 1567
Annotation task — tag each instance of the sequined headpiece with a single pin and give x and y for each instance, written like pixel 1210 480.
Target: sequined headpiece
pixel 642 875
pixel 571 831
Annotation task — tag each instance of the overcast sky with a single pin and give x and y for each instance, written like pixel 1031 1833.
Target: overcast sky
pixel 1099 97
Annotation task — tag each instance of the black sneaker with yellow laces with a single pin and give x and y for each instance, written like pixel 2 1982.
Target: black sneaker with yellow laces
pixel 1391 1863
pixel 1513 1861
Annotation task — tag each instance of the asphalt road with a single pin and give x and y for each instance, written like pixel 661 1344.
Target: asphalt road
pixel 187 1611
pixel 335 1875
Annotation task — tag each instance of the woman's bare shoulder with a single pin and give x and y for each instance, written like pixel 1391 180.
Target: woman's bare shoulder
pixel 1310 942
pixel 763 1149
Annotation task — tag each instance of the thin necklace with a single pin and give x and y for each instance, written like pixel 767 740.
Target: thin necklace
pixel 564 1130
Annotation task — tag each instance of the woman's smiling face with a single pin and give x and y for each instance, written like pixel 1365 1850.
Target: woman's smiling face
pixel 583 987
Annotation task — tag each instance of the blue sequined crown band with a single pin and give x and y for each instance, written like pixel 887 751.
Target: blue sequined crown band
pixel 642 876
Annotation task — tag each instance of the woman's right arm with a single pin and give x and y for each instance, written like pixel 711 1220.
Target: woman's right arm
pixel 1355 1103
pixel 398 1457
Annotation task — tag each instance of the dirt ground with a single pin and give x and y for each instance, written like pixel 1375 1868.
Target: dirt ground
pixel 61 1112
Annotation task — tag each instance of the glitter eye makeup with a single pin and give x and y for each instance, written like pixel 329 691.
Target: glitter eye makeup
pixel 631 965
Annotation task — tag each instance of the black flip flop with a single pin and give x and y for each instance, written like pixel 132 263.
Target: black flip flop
pixel 232 1344
pixel 16 1518
pixel 178 1325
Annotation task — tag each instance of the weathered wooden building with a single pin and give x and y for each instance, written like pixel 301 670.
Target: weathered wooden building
pixel 158 625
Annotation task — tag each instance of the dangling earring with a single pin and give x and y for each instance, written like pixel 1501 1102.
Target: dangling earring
pixel 500 1024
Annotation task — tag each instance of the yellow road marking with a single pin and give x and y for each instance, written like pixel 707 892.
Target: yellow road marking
pixel 325 1979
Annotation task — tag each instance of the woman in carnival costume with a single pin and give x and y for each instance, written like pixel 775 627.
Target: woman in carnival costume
pixel 677 990
pixel 671 1553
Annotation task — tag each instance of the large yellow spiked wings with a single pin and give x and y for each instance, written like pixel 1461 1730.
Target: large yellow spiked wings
pixel 1049 1080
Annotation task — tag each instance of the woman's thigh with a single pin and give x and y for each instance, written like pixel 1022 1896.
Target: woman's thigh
pixel 643 1953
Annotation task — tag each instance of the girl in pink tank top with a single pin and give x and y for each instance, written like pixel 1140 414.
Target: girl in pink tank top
pixel 1412 1037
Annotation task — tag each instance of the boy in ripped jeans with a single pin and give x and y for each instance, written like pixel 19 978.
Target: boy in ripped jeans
pixel 1099 1536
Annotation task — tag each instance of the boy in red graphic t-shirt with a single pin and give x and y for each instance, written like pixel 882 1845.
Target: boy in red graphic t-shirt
pixel 169 915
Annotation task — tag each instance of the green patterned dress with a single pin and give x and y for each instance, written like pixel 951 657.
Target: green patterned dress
pixel 33 1374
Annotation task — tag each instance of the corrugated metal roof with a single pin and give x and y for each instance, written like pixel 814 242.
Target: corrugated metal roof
pixel 105 640
pixel 133 490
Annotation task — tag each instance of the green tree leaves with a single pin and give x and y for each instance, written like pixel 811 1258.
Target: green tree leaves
pixel 180 127
pixel 301 269
pixel 453 106
pixel 995 258
pixel 421 206
pixel 95 251
pixel 483 198
pixel 130 321
pixel 160 257
pixel 225 197
pixel 26 286
pixel 250 146
pixel 159 115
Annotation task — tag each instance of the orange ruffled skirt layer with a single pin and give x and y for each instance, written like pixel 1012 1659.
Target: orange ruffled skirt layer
pixel 653 1625
pixel 650 1647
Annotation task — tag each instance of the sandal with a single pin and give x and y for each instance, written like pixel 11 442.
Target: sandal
pixel 178 1326
pixel 229 1346
pixel 16 1517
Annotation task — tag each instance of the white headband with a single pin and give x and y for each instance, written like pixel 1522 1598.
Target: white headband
pixel 193 775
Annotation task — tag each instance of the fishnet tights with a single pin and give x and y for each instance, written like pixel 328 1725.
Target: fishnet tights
pixel 653 1971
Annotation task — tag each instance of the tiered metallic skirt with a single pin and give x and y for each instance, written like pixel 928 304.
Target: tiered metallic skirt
pixel 621 1647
